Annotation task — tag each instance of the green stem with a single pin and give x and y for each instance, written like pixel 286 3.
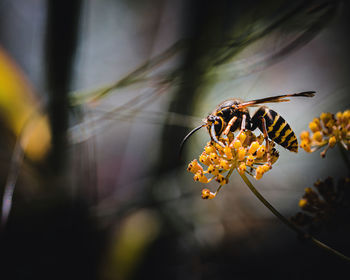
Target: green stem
pixel 289 223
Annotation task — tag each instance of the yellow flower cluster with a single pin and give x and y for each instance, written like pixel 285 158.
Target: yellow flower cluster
pixel 245 153
pixel 327 130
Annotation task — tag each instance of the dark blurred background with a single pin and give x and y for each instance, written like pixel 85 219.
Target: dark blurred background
pixel 100 95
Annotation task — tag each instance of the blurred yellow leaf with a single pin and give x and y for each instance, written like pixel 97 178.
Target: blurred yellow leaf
pixel 20 109
pixel 129 245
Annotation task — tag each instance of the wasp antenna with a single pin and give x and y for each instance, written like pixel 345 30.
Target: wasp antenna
pixel 213 136
pixel 188 136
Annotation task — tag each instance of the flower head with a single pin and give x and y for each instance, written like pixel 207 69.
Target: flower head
pixel 246 153
pixel 327 130
pixel 323 204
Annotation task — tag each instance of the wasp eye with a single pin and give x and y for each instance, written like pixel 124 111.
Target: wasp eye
pixel 211 118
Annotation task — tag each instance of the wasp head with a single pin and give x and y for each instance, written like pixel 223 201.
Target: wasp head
pixel 215 125
pixel 216 122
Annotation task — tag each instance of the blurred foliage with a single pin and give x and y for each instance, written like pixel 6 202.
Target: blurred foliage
pixel 21 110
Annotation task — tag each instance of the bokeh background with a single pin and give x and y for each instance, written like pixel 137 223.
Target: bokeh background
pixel 95 98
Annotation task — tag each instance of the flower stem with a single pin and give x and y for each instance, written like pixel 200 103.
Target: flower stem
pixel 289 223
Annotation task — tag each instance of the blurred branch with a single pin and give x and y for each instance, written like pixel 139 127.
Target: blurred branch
pixel 61 44
pixel 15 167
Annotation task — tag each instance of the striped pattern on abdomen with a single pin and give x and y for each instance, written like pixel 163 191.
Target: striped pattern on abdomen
pixel 278 129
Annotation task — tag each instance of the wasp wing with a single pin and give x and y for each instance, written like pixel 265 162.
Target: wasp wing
pixel 275 99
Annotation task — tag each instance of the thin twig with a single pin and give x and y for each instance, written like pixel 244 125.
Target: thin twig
pixel 15 167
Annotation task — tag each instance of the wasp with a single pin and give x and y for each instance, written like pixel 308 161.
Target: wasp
pixel 233 114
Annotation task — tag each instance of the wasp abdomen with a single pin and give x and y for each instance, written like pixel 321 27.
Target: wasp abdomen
pixel 277 128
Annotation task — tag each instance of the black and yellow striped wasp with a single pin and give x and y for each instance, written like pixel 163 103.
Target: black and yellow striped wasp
pixel 233 114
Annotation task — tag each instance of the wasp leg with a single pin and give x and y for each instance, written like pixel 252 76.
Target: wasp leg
pixel 213 136
pixel 244 118
pixel 229 125
pixel 243 124
pixel 263 124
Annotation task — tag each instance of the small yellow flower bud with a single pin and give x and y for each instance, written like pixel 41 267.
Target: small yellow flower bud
pixel 266 167
pixel 224 164
pixel 241 154
pixel 212 170
pixel 302 203
pixel 204 158
pixel 207 194
pixel 253 147
pixel 306 146
pixel 326 117
pixel 259 172
pixel 242 168
pixel 317 121
pixel 305 135
pixel 221 179
pixel 346 115
pixel 258 176
pixel 194 167
pixel 236 144
pixel 330 123
pixel 317 136
pixel 314 127
pixel 196 177
pixel 209 149
pixel 214 158
pixel 309 190
pixel 261 151
pixel 228 152
pixel 203 179
pixel 250 160
pixel 332 141
pixel 339 116
pixel 242 136
pixel 199 176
